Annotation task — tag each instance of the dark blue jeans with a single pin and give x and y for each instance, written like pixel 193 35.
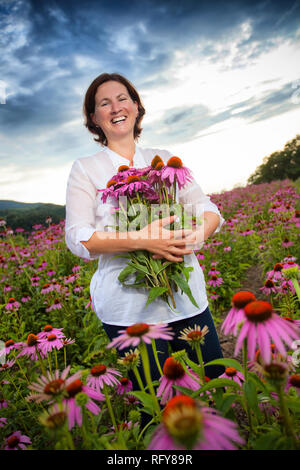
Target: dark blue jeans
pixel 210 350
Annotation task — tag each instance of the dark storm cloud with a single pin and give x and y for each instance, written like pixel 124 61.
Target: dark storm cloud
pixel 52 50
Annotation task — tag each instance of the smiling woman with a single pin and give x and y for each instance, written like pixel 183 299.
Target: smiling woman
pixel 113 111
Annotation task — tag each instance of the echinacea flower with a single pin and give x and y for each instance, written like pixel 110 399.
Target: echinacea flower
pixel 124 386
pixel 101 375
pixel 3 403
pixel 3 422
pixel 175 169
pixel 260 325
pixel 8 346
pixel 7 365
pixel 131 359
pixel 49 330
pixel 174 374
pixel 293 381
pixel 57 305
pixel 275 273
pixel 194 335
pixel 236 313
pixel 269 287
pixel 74 387
pixel 188 425
pixel 233 374
pixel 49 343
pixel 138 332
pixel 48 387
pixel 30 347
pixel 12 304
pixel 17 441
pixel 55 417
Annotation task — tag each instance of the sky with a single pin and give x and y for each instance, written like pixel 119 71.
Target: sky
pixel 220 82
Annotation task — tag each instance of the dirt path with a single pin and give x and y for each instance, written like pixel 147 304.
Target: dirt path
pixel 253 282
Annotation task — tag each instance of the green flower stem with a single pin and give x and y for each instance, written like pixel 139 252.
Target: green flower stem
pixel 144 429
pixel 113 419
pixel 55 355
pixel 287 423
pixel 21 396
pixel 65 356
pixel 247 407
pixel 296 287
pixel 138 378
pixel 169 288
pixel 69 440
pixel 20 367
pixel 41 362
pixel 49 362
pixel 200 360
pixel 156 357
pixel 146 366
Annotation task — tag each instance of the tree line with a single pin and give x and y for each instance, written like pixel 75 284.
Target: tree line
pixel 280 165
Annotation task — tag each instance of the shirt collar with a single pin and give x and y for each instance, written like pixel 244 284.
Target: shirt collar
pixel 117 160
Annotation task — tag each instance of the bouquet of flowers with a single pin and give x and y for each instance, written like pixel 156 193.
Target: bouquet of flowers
pixel 143 196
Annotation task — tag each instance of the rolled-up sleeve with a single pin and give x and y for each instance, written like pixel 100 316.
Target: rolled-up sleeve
pixel 80 211
pixel 193 195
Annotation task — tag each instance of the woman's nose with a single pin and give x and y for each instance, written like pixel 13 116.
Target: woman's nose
pixel 115 107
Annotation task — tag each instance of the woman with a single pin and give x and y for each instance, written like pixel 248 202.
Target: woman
pixel 113 112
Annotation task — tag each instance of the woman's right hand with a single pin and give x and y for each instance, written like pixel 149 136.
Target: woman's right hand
pixel 168 244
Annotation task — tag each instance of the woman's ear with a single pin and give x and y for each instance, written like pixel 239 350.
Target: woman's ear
pixel 92 116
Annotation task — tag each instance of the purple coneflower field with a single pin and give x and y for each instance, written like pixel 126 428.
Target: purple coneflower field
pixel 64 385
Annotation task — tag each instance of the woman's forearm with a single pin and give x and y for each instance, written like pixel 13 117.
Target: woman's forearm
pixel 111 242
pixel 210 222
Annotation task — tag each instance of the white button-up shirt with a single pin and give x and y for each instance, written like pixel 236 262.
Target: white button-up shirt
pixel 114 303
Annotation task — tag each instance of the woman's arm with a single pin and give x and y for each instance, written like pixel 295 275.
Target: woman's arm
pixel 167 244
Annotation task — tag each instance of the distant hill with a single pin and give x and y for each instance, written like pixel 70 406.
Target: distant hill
pixel 25 215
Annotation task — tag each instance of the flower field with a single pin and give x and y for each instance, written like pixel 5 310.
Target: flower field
pixel 64 386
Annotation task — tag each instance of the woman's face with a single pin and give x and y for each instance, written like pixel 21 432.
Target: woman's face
pixel 115 112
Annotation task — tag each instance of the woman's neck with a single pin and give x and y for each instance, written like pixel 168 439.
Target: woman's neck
pixel 124 148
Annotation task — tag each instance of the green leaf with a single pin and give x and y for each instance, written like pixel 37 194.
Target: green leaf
pixel 251 396
pixel 267 441
pixel 293 404
pixel 139 267
pixel 155 292
pixel 184 287
pixel 227 403
pixel 126 272
pixel 145 399
pixel 186 271
pixel 226 363
pixel 217 383
pixel 186 391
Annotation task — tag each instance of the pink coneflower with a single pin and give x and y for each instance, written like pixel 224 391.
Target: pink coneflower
pixel 275 273
pixel 12 304
pixel 29 348
pixel 175 169
pixel 188 425
pixel 213 271
pixel 124 386
pixel 200 255
pixel 3 422
pixel 48 387
pixel 52 341
pixel 215 281
pixel 7 365
pixel 138 332
pixel 25 298
pixel 293 381
pixel 236 313
pixel 261 325
pixel 47 288
pixel 3 403
pixel 213 295
pixel 101 375
pixel 287 243
pixel 233 374
pixel 131 400
pixel 8 346
pixel 269 287
pixel 17 441
pixel 90 304
pixel 132 185
pixel 49 330
pixel 174 374
pixel 55 306
pixel 74 386
pixel 7 288
pixel 227 248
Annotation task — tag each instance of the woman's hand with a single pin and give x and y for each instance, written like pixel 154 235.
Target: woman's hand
pixel 168 244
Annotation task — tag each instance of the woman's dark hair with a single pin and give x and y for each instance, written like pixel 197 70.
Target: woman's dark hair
pixel 89 105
